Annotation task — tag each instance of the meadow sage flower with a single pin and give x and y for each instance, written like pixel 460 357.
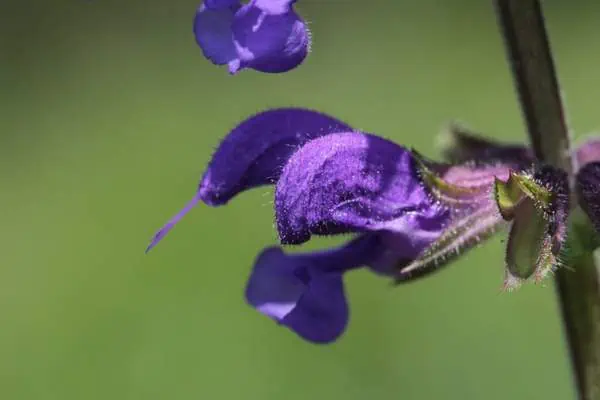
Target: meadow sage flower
pixel 409 215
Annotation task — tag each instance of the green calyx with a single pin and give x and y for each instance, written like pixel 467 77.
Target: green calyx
pixel 531 251
pixel 517 188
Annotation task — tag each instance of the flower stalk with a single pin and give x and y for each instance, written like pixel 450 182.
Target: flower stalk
pixel 577 283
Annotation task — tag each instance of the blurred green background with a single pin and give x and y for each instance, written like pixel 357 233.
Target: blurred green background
pixel 109 115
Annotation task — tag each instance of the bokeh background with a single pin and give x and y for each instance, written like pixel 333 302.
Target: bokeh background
pixel 109 114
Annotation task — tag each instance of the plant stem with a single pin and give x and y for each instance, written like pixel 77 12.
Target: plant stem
pixel 577 284
pixel 522 25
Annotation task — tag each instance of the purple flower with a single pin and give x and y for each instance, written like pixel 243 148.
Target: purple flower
pixel 409 215
pixel 265 35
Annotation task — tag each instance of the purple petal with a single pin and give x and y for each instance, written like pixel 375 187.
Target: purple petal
pixel 321 314
pixel 350 182
pixel 588 187
pixel 269 37
pixel 253 154
pixel 256 150
pixel 212 29
pixel 305 292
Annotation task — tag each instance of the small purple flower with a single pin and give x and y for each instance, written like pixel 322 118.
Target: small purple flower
pixel 265 35
pixel 409 215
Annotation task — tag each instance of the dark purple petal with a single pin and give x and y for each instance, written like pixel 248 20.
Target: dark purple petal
pixel 269 37
pixel 212 29
pixel 350 182
pixel 588 188
pixel 460 145
pixel 254 153
pixel 305 292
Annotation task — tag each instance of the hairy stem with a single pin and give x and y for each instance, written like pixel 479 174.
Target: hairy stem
pixel 577 284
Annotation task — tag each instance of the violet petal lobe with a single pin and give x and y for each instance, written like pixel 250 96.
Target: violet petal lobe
pixel 588 188
pixel 269 36
pixel 254 153
pixel 305 292
pixel 212 30
pixel 349 182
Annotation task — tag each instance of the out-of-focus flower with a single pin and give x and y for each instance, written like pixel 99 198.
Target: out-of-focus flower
pixel 588 187
pixel 265 35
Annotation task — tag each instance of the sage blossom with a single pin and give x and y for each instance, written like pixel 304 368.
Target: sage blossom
pixel 408 215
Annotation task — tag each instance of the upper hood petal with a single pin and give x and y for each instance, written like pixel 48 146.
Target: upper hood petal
pixel 253 154
pixel 349 182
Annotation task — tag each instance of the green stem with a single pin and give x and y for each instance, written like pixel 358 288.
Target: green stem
pixel 577 283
